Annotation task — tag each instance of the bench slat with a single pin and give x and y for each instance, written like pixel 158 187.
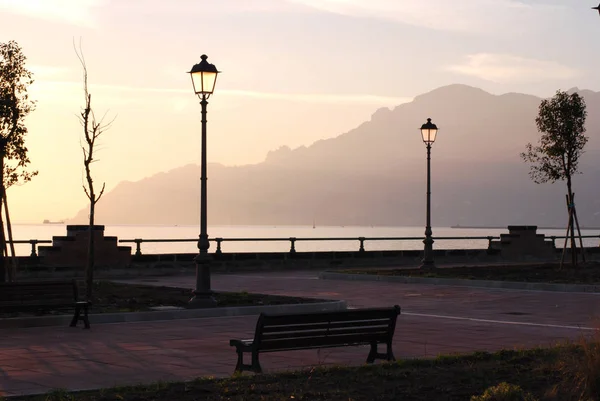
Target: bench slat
pixel 38 296
pixel 39 300
pixel 19 290
pixel 50 292
pixel 363 314
pixel 324 333
pixel 309 326
pixel 37 284
pixel 316 342
pixel 24 294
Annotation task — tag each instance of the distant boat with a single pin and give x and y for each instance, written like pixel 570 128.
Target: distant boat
pixel 53 222
pixel 479 227
pixel 505 227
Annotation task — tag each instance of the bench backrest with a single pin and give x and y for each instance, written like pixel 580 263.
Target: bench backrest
pixel 322 329
pixel 38 293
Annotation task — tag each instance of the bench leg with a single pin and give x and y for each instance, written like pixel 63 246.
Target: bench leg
pixel 239 366
pixel 372 353
pixel 255 364
pixel 390 355
pixel 76 316
pixel 86 320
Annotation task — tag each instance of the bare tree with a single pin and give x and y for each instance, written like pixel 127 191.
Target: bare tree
pixel 92 130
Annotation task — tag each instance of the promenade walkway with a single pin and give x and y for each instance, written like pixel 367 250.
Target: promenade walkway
pixel 434 320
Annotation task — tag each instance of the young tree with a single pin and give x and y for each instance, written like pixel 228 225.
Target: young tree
pixel 561 120
pixel 14 107
pixel 92 130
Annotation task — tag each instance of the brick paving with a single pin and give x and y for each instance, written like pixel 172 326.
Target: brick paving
pixel 434 320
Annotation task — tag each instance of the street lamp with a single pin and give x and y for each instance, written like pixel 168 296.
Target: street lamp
pixel 428 132
pixel 204 78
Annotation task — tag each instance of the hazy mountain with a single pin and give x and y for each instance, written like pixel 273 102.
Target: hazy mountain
pixel 375 174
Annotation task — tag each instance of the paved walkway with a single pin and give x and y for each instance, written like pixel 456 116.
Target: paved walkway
pixel 434 319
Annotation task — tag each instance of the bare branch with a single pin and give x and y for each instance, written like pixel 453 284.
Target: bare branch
pixel 101 192
pixel 79 54
pixel 87 193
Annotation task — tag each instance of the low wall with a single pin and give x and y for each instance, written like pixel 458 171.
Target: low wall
pixel 162 264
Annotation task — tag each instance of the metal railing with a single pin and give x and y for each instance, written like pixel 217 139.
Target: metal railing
pixel 292 240
pixel 33 243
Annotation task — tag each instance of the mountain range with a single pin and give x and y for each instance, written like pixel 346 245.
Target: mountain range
pixel 375 174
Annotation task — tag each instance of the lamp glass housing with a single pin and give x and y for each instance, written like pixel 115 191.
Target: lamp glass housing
pixel 204 77
pixel 429 132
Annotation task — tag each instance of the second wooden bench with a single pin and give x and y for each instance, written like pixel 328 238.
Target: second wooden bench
pixel 287 332
pixel 36 296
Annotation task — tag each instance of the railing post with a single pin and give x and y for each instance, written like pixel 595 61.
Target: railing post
pixel 138 247
pixel 553 238
pixel 490 238
pixel 33 243
pixel 293 245
pixel 219 240
pixel 362 244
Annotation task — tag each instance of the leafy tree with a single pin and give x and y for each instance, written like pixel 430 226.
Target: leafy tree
pixel 561 120
pixel 14 107
pixel 92 130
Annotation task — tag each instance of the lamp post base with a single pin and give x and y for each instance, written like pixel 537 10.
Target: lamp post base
pixel 428 265
pixel 427 262
pixel 203 295
pixel 202 300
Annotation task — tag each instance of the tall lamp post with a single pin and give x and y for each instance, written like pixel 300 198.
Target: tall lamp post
pixel 428 132
pixel 204 78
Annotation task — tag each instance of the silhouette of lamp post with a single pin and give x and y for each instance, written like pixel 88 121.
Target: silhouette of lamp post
pixel 204 77
pixel 428 132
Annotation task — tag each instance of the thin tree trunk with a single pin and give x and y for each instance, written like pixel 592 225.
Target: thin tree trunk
pixel 3 254
pixel 2 232
pixel 564 251
pixel 12 271
pixel 572 233
pixel 576 221
pixel 90 262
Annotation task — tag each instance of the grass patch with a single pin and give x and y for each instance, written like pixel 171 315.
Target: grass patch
pixel 588 273
pixel 537 371
pixel 110 297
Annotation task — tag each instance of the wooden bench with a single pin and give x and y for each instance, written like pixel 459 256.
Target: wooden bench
pixel 43 295
pixel 286 332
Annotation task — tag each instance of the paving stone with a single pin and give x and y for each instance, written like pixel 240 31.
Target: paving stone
pixel 434 320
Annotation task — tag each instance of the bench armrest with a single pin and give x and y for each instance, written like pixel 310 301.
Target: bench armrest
pixel 241 344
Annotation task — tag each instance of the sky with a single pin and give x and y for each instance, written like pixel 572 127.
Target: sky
pixel 292 72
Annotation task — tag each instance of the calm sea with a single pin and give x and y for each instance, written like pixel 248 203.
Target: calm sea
pixel 47 231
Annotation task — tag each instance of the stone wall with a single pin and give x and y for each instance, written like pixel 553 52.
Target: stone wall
pixel 71 250
pixel 522 243
pixel 165 264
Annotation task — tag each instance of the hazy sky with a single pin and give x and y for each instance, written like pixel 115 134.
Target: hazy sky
pixel 293 71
